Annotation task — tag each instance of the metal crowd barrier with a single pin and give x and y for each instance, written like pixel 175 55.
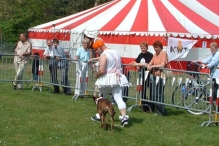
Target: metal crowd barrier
pixel 7 69
pixel 180 89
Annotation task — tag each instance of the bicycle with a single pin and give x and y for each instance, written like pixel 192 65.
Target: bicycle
pixel 193 94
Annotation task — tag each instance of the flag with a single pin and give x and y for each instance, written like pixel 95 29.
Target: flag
pixel 178 48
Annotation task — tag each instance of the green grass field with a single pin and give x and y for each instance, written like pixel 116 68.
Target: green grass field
pixel 33 118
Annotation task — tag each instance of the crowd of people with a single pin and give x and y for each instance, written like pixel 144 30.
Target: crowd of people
pixel 108 71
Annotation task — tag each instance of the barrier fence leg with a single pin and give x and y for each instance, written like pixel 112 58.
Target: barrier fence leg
pixel 137 103
pixel 209 122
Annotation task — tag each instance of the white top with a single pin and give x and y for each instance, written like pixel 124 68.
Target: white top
pixel 114 76
pixel 113 59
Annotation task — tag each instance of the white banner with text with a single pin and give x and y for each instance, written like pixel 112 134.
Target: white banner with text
pixel 178 48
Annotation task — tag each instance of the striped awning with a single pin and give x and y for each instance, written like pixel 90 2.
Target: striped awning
pixel 196 18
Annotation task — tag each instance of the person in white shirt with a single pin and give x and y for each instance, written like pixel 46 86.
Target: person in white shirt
pixel 82 56
pixel 22 52
pixel 110 78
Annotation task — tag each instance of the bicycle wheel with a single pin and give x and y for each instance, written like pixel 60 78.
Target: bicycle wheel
pixel 196 100
pixel 177 95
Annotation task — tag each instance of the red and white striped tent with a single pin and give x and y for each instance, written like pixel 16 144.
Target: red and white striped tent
pixel 123 24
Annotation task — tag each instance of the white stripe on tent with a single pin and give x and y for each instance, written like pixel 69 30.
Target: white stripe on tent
pixel 127 23
pixel 199 9
pixel 109 14
pixel 154 22
pixel 182 19
pixel 96 21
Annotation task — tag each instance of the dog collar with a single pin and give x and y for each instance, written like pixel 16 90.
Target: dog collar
pixel 98 99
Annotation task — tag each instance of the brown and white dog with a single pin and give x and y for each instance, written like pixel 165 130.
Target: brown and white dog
pixel 104 106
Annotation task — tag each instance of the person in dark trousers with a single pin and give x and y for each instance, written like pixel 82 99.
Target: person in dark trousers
pixel 159 60
pixel 63 66
pixel 141 62
pixel 50 54
pixel 35 66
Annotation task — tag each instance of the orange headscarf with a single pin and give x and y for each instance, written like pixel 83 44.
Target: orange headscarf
pixel 98 43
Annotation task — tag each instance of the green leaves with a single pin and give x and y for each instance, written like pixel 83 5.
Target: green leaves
pixel 16 16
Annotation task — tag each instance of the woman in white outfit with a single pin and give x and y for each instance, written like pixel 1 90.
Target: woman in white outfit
pixel 82 56
pixel 110 78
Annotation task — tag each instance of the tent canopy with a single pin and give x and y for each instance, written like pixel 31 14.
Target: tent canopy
pixel 190 18
pixel 123 24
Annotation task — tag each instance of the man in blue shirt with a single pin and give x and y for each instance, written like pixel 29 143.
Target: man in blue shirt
pixel 63 66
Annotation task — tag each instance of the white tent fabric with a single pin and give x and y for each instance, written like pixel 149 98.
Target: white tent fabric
pixel 123 24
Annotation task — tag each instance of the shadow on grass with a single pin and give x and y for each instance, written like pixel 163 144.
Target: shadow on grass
pixel 175 112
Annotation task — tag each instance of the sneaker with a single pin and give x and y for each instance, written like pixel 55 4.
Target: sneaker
pixel 94 118
pixel 19 86
pixel 124 120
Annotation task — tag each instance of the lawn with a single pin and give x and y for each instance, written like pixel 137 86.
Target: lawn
pixel 33 118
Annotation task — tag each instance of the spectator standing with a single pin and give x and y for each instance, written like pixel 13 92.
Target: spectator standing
pixel 63 66
pixel 140 62
pixel 212 62
pixel 22 52
pixel 50 54
pixel 159 60
pixel 82 56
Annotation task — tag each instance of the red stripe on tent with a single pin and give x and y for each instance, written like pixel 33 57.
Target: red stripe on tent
pixel 115 21
pixel 195 18
pixel 212 5
pixel 77 23
pixel 82 13
pixel 132 39
pixel 141 20
pixel 169 21
pixel 135 40
pixel 49 35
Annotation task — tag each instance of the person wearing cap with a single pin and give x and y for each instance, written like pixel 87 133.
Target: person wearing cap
pixel 110 78
pixel 82 56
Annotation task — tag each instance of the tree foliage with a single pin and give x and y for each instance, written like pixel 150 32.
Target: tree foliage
pixel 16 16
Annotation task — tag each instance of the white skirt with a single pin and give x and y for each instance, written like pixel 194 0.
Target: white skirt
pixel 110 80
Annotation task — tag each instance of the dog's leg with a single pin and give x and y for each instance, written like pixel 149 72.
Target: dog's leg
pixel 105 121
pixel 101 119
pixel 112 113
pixel 112 119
